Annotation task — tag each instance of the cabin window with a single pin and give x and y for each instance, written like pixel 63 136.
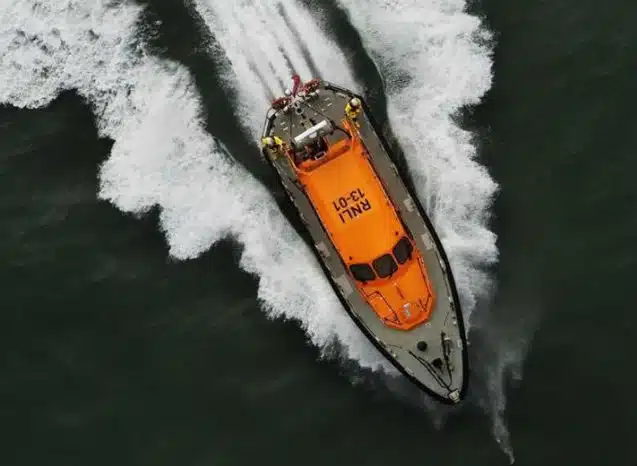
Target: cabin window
pixel 403 249
pixel 362 272
pixel 385 266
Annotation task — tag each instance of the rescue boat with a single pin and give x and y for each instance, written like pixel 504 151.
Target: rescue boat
pixel 373 240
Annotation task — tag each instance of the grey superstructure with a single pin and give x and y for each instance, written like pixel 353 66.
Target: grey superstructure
pixel 433 354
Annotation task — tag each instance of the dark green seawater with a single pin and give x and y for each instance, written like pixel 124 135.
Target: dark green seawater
pixel 112 352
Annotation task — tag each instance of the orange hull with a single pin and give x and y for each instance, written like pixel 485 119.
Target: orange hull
pixel 363 225
pixel 374 242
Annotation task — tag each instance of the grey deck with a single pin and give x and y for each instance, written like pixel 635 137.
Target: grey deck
pixel 399 344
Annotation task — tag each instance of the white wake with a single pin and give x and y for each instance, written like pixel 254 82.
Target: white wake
pixel 265 50
pixel 162 155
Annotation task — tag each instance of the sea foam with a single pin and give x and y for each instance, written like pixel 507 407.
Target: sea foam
pixel 163 157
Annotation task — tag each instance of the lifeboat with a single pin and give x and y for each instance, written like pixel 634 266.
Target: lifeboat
pixel 373 240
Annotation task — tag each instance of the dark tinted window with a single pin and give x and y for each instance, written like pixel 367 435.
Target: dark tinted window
pixel 385 265
pixel 362 272
pixel 402 250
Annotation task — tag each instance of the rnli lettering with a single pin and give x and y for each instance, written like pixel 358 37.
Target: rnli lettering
pixel 352 205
